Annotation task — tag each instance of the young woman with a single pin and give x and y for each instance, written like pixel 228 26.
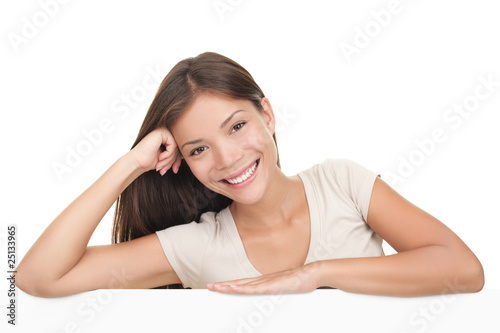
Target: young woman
pixel 202 201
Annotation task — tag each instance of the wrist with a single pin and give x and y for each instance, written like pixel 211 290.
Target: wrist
pixel 320 273
pixel 314 272
pixel 130 161
pixel 129 167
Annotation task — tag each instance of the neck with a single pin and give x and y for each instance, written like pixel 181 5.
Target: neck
pixel 275 207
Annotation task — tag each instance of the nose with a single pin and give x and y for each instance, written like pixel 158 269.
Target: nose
pixel 226 155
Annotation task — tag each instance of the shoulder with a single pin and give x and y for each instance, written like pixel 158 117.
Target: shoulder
pixel 357 181
pixel 342 178
pixel 195 231
pixel 185 246
pixel 339 170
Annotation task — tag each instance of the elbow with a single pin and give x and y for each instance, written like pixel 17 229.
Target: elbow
pixel 29 287
pixel 476 277
pixel 35 290
pixel 32 286
pixel 24 285
pixel 471 277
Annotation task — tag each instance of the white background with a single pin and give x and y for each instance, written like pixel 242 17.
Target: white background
pixel 72 71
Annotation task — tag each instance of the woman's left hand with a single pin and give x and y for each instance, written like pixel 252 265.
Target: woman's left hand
pixel 298 280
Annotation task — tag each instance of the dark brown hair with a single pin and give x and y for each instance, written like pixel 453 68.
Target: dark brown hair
pixel 153 202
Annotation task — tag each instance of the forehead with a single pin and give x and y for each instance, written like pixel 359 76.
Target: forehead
pixel 211 109
pixel 206 114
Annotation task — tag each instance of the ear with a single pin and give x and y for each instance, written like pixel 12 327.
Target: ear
pixel 268 114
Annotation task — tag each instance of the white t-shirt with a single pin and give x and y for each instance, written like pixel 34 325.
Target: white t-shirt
pixel 338 193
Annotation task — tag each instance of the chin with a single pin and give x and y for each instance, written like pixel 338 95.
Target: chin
pixel 247 199
pixel 245 196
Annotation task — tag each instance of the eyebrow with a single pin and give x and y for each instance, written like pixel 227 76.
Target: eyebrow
pixel 224 123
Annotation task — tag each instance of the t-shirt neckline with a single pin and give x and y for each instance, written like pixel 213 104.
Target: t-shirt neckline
pixel 234 236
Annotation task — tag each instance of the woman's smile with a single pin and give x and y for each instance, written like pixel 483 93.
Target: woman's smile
pixel 243 178
pixel 228 145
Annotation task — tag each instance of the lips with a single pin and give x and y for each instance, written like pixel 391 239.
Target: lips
pixel 242 175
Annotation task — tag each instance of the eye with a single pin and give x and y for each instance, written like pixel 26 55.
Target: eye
pixel 197 151
pixel 238 126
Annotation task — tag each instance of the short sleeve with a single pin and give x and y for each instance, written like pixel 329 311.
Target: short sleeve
pixel 355 180
pixel 184 246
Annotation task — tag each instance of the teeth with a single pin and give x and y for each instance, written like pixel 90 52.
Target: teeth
pixel 244 176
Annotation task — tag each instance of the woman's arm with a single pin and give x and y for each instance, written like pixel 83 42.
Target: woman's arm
pixel 60 263
pixel 431 259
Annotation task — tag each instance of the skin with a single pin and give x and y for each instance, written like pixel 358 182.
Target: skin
pixel 271 215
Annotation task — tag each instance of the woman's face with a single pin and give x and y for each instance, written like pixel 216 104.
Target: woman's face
pixel 228 145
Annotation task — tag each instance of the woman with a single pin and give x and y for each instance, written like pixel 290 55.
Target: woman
pixel 207 152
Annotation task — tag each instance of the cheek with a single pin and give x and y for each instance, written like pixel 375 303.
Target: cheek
pixel 199 171
pixel 257 139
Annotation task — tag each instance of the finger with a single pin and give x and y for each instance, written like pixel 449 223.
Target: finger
pixel 160 165
pixel 167 160
pixel 220 286
pixel 163 155
pixel 238 281
pixel 169 142
pixel 243 289
pixel 177 164
pixel 227 289
pixel 166 157
pixel 165 136
pixel 246 285
pixel 165 168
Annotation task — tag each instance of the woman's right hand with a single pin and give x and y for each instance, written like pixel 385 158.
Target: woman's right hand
pixel 148 154
pixel 61 262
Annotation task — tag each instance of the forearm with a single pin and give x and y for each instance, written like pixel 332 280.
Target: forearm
pixel 423 271
pixel 65 240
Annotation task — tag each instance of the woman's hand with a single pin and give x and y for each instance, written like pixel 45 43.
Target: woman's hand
pixel 148 154
pixel 298 280
pixel 61 262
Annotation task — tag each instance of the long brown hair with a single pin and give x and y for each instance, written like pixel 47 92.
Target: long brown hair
pixel 153 202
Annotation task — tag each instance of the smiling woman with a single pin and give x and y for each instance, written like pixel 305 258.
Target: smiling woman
pixel 210 85
pixel 202 203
